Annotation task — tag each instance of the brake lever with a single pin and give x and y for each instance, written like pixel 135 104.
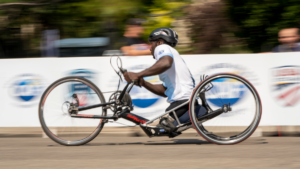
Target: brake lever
pixel 123 70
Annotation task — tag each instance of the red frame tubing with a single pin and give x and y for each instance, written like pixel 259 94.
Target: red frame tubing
pixel 216 75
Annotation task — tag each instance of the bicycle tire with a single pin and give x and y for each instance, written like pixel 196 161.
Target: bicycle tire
pixel 55 137
pixel 228 140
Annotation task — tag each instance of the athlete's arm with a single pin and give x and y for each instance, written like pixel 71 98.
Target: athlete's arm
pixel 163 64
pixel 156 89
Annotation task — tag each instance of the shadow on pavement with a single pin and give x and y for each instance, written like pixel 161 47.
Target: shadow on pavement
pixel 179 141
pixel 171 142
pixel 160 142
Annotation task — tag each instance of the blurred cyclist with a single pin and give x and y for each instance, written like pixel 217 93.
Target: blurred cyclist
pixel 135 46
pixel 178 82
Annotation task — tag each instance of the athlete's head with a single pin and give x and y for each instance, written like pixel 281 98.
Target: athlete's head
pixel 162 35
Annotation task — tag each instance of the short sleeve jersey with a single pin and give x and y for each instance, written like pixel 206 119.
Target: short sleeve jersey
pixel 178 80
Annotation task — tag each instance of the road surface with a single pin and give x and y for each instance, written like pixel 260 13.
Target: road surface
pixel 143 152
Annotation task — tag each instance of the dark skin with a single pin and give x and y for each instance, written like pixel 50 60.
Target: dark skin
pixel 159 67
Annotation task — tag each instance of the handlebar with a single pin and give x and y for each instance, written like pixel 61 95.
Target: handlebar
pixel 124 71
pixel 121 69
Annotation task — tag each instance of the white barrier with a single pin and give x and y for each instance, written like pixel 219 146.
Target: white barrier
pixel 275 76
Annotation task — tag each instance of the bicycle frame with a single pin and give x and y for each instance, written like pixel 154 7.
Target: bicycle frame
pixel 143 122
pixel 124 114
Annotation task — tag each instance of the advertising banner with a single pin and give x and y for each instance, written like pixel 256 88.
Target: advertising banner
pixel 276 77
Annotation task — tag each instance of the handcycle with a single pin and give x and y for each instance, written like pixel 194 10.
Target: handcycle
pixel 73 110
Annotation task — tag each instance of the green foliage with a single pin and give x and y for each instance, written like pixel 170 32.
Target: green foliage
pixel 161 7
pixel 83 18
pixel 260 20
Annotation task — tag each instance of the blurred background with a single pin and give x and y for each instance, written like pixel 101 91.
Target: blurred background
pixel 41 28
pixel 84 28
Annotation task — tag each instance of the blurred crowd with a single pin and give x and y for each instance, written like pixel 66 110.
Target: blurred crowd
pixel 92 28
pixel 289 39
pixel 134 45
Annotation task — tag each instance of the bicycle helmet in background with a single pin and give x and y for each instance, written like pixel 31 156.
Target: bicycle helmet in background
pixel 165 33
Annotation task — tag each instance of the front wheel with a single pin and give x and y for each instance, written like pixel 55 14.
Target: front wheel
pixel 55 118
pixel 228 127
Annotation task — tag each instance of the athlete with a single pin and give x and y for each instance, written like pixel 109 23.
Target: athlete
pixel 178 82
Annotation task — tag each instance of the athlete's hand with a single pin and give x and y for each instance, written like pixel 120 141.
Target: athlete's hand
pixel 130 76
pixel 140 82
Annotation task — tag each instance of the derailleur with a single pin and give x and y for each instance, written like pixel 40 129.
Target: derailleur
pixel 73 107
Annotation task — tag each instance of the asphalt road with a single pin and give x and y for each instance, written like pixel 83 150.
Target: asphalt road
pixel 143 152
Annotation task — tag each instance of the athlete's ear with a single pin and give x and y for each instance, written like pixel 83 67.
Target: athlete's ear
pixel 161 41
pixel 158 42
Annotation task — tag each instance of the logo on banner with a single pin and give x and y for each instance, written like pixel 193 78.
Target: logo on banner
pixel 229 90
pixel 83 91
pixel 286 84
pixel 26 89
pixel 141 97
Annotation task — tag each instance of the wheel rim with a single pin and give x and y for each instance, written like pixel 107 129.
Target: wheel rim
pixel 57 121
pixel 237 125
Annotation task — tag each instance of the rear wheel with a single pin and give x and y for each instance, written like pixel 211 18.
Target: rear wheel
pixel 233 126
pixel 55 118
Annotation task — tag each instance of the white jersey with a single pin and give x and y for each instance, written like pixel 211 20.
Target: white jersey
pixel 178 80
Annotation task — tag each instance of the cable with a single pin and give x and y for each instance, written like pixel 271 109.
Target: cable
pixel 118 73
pixel 119 85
